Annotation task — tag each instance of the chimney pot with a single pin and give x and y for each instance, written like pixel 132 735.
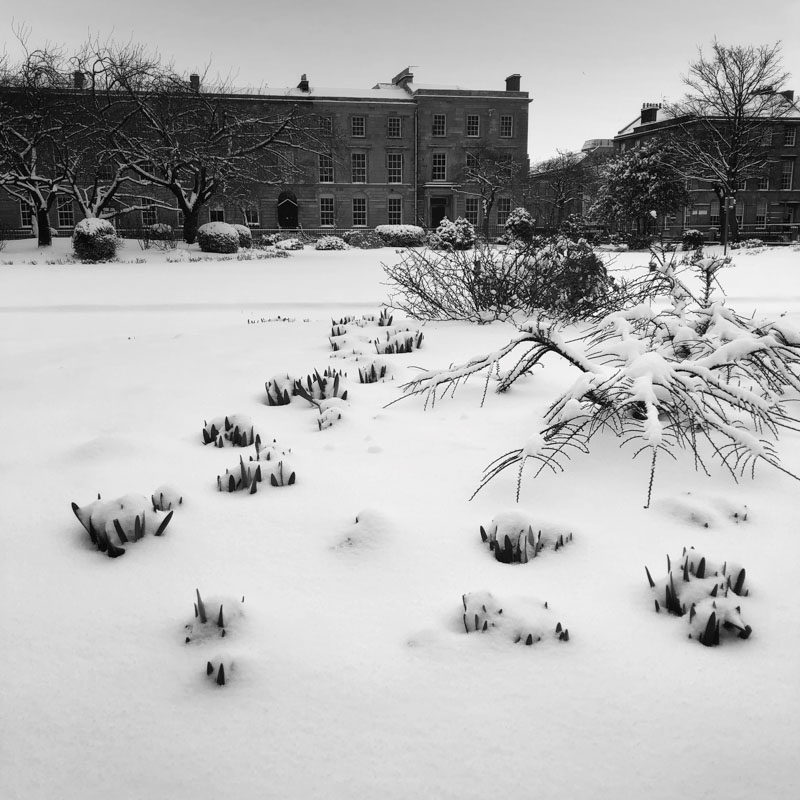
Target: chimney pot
pixel 512 82
pixel 649 112
pixel 303 85
pixel 78 79
pixel 788 94
pixel 194 82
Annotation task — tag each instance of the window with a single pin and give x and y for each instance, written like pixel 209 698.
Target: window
pixel 473 125
pixel 358 126
pixel 395 128
pixel 149 211
pixel 66 216
pixel 439 125
pixel 787 174
pixel 325 126
pixel 790 137
pixel 763 181
pixel 741 183
pixel 471 210
pixel 472 161
pixel 394 211
pixel 358 164
pixel 251 216
pixel 761 214
pixel 503 210
pixel 326 212
pixel 25 214
pixel 394 168
pixel 506 126
pixel 439 167
pixel 216 214
pixel 359 212
pixel 325 168
pixel 713 213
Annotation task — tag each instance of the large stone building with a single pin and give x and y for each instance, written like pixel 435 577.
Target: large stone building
pixel 400 156
pixel 767 206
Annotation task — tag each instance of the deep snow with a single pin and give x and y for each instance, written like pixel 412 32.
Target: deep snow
pixel 348 672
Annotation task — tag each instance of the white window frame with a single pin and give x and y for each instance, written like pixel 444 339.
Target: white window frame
pixel 216 214
pixel 394 168
pixel 506 126
pixel 66 213
pixel 394 211
pixel 252 217
pixel 439 166
pixel 714 214
pixel 439 125
pixel 790 137
pixel 358 171
pixel 503 210
pixel 26 211
pixel 325 173
pixel 787 175
pixel 394 128
pixel 471 208
pixel 475 119
pixel 358 127
pixel 761 214
pixel 359 209
pixel 763 182
pixel 327 212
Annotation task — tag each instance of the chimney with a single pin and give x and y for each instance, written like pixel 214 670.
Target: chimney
pixel 649 112
pixel 78 79
pixel 303 85
pixel 788 94
pixel 194 82
pixel 402 79
pixel 512 82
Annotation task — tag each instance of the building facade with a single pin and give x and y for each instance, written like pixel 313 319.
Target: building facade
pixel 766 206
pixel 399 156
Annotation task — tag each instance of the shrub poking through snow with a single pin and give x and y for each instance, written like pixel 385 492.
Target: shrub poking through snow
pixel 95 240
pixel 235 430
pixel 399 342
pixel 484 614
pixel 513 538
pixel 280 389
pixel 384 318
pixel 692 239
pixel 124 520
pixel 245 235
pixel 218 237
pixel 401 235
pixel 270 461
pixel 166 498
pixel 329 416
pixel 372 374
pixel 318 387
pixel 216 672
pixel 292 243
pixel 212 620
pixel 330 243
pixel 702 589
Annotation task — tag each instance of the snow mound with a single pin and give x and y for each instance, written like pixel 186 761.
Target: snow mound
pixel 483 613
pixel 515 537
pixel 705 510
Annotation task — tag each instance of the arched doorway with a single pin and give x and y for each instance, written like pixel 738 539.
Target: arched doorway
pixel 287 210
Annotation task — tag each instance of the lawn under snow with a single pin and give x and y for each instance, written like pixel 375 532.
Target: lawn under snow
pixel 349 672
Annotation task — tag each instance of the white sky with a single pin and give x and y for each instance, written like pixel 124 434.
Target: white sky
pixel 588 66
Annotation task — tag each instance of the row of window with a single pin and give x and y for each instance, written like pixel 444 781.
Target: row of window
pixel 394 167
pixel 394 126
pixel 785 179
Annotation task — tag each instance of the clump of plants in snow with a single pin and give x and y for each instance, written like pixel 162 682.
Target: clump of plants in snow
pixel 372 373
pixel 126 519
pixel 484 614
pixel 458 235
pixel 317 388
pixel 403 341
pixel 703 589
pixel 207 626
pixel 565 278
pixel 690 374
pixel 235 430
pixel 513 538
pixel 270 461
pixel 330 243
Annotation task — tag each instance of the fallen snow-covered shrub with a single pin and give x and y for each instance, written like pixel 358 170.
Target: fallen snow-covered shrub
pixel 245 235
pixel 692 375
pixel 95 240
pixel 484 614
pixel 218 237
pixel 111 523
pixel 703 590
pixel 520 225
pixel 330 243
pixel 235 430
pixel 511 538
pixel 401 235
pixel 457 235
pixel 487 283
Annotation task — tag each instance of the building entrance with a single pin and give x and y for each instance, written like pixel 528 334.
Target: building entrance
pixel 287 210
pixel 440 208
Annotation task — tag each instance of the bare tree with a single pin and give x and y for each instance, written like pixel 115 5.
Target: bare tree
pixel 724 120
pixel 487 174
pixel 558 185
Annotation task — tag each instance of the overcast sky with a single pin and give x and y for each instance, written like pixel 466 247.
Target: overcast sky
pixel 587 65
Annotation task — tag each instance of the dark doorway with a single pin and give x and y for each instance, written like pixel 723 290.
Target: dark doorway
pixel 287 210
pixel 438 210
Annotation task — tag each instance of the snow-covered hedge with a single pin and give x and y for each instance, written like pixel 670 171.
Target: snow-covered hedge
pixel 364 240
pixel 458 235
pixel 95 240
pixel 692 239
pixel 330 243
pixel 245 235
pixel 401 235
pixel 218 237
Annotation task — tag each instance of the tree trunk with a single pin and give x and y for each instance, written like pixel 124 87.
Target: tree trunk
pixel 45 236
pixel 190 224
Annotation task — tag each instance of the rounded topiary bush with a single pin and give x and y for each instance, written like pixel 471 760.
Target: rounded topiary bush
pixel 692 239
pixel 95 240
pixel 520 224
pixel 401 235
pixel 458 235
pixel 330 243
pixel 245 235
pixel 218 237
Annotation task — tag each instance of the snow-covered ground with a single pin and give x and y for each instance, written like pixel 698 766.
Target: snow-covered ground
pixel 348 670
